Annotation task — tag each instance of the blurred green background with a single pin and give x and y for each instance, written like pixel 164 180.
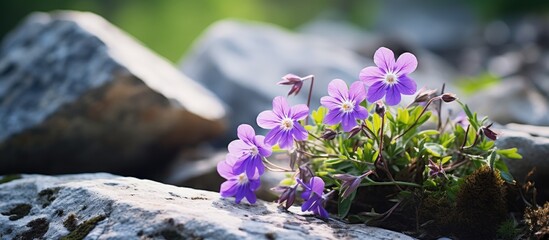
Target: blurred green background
pixel 169 27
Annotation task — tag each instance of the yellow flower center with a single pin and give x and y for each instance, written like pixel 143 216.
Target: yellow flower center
pixel 391 78
pixel 287 124
pixel 347 106
pixel 242 179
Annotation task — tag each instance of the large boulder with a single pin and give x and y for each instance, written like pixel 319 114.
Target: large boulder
pixel 532 143
pixel 104 206
pixel 77 95
pixel 242 62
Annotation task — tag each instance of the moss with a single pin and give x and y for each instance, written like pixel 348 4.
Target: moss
pixel 171 234
pixel 508 230
pixel 480 205
pixel 38 227
pixel 70 223
pixel 84 229
pixel 18 212
pixel 47 196
pixel 537 219
pixel 9 178
pixel 437 214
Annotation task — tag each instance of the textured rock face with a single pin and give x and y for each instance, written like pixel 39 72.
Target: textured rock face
pixel 72 86
pixel 103 206
pixel 534 148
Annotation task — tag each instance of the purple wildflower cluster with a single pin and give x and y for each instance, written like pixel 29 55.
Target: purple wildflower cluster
pixel 244 163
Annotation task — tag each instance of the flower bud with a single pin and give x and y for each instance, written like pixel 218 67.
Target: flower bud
pixel 434 169
pixel 424 95
pixel 448 97
pixel 294 80
pixel 328 134
pixel 489 133
pixel 355 131
pixel 287 196
pixel 380 108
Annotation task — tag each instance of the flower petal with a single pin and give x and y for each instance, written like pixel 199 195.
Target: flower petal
pixel 406 85
pixel 273 136
pixel 333 117
pixel 360 112
pixel 240 192
pixel 348 122
pixel 264 149
pixel 246 133
pixel 330 102
pixel 228 188
pixel 393 96
pixel 405 64
pixel 299 133
pixel 299 111
pixel 384 58
pixel 338 88
pixel 268 120
pixel 317 185
pixel 357 92
pixel 376 91
pixel 225 170
pixel 250 196
pixel 286 140
pixel 371 75
pixel 239 148
pixel 281 107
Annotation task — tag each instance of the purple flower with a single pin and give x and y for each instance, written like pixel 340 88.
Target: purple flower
pixel 246 153
pixel 349 183
pixel 435 169
pixel 237 184
pixel 344 104
pixel 287 195
pixel 389 78
pixel 462 120
pixel 294 80
pixel 312 194
pixel 283 121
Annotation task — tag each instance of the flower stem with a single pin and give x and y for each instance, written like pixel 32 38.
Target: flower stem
pixel 392 183
pixel 417 119
pixel 309 97
pixel 439 112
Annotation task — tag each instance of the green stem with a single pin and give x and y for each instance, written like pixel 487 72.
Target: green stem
pixel 392 183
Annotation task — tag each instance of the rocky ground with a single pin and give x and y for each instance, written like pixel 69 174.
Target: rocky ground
pixel 105 206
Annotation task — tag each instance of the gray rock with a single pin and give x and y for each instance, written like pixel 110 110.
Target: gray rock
pixel 114 207
pixel 73 86
pixel 534 151
pixel 242 62
pixel 513 100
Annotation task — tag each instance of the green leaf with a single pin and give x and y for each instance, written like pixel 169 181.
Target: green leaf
pixel 507 177
pixel 492 158
pixel 318 115
pixel 511 153
pixel 435 149
pixel 428 132
pixel 403 116
pixel 344 205
pixel 444 160
pixel 287 182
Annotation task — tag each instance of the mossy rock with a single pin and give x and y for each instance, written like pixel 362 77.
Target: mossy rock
pixel 480 205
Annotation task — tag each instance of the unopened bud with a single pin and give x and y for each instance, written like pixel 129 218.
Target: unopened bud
pixel 328 134
pixel 448 97
pixel 424 95
pixel 354 131
pixel 380 108
pixel 489 133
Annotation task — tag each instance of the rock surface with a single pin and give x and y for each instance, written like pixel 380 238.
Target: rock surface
pixel 104 206
pixel 534 150
pixel 73 86
pixel 242 62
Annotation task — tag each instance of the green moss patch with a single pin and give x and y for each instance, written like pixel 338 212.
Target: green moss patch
pixel 18 212
pixel 38 227
pixel 71 223
pixel 82 230
pixel 9 178
pixel 47 196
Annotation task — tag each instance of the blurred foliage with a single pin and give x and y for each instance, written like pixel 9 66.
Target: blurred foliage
pixel 470 85
pixel 169 27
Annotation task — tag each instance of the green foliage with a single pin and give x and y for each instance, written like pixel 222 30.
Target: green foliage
pixel 448 174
